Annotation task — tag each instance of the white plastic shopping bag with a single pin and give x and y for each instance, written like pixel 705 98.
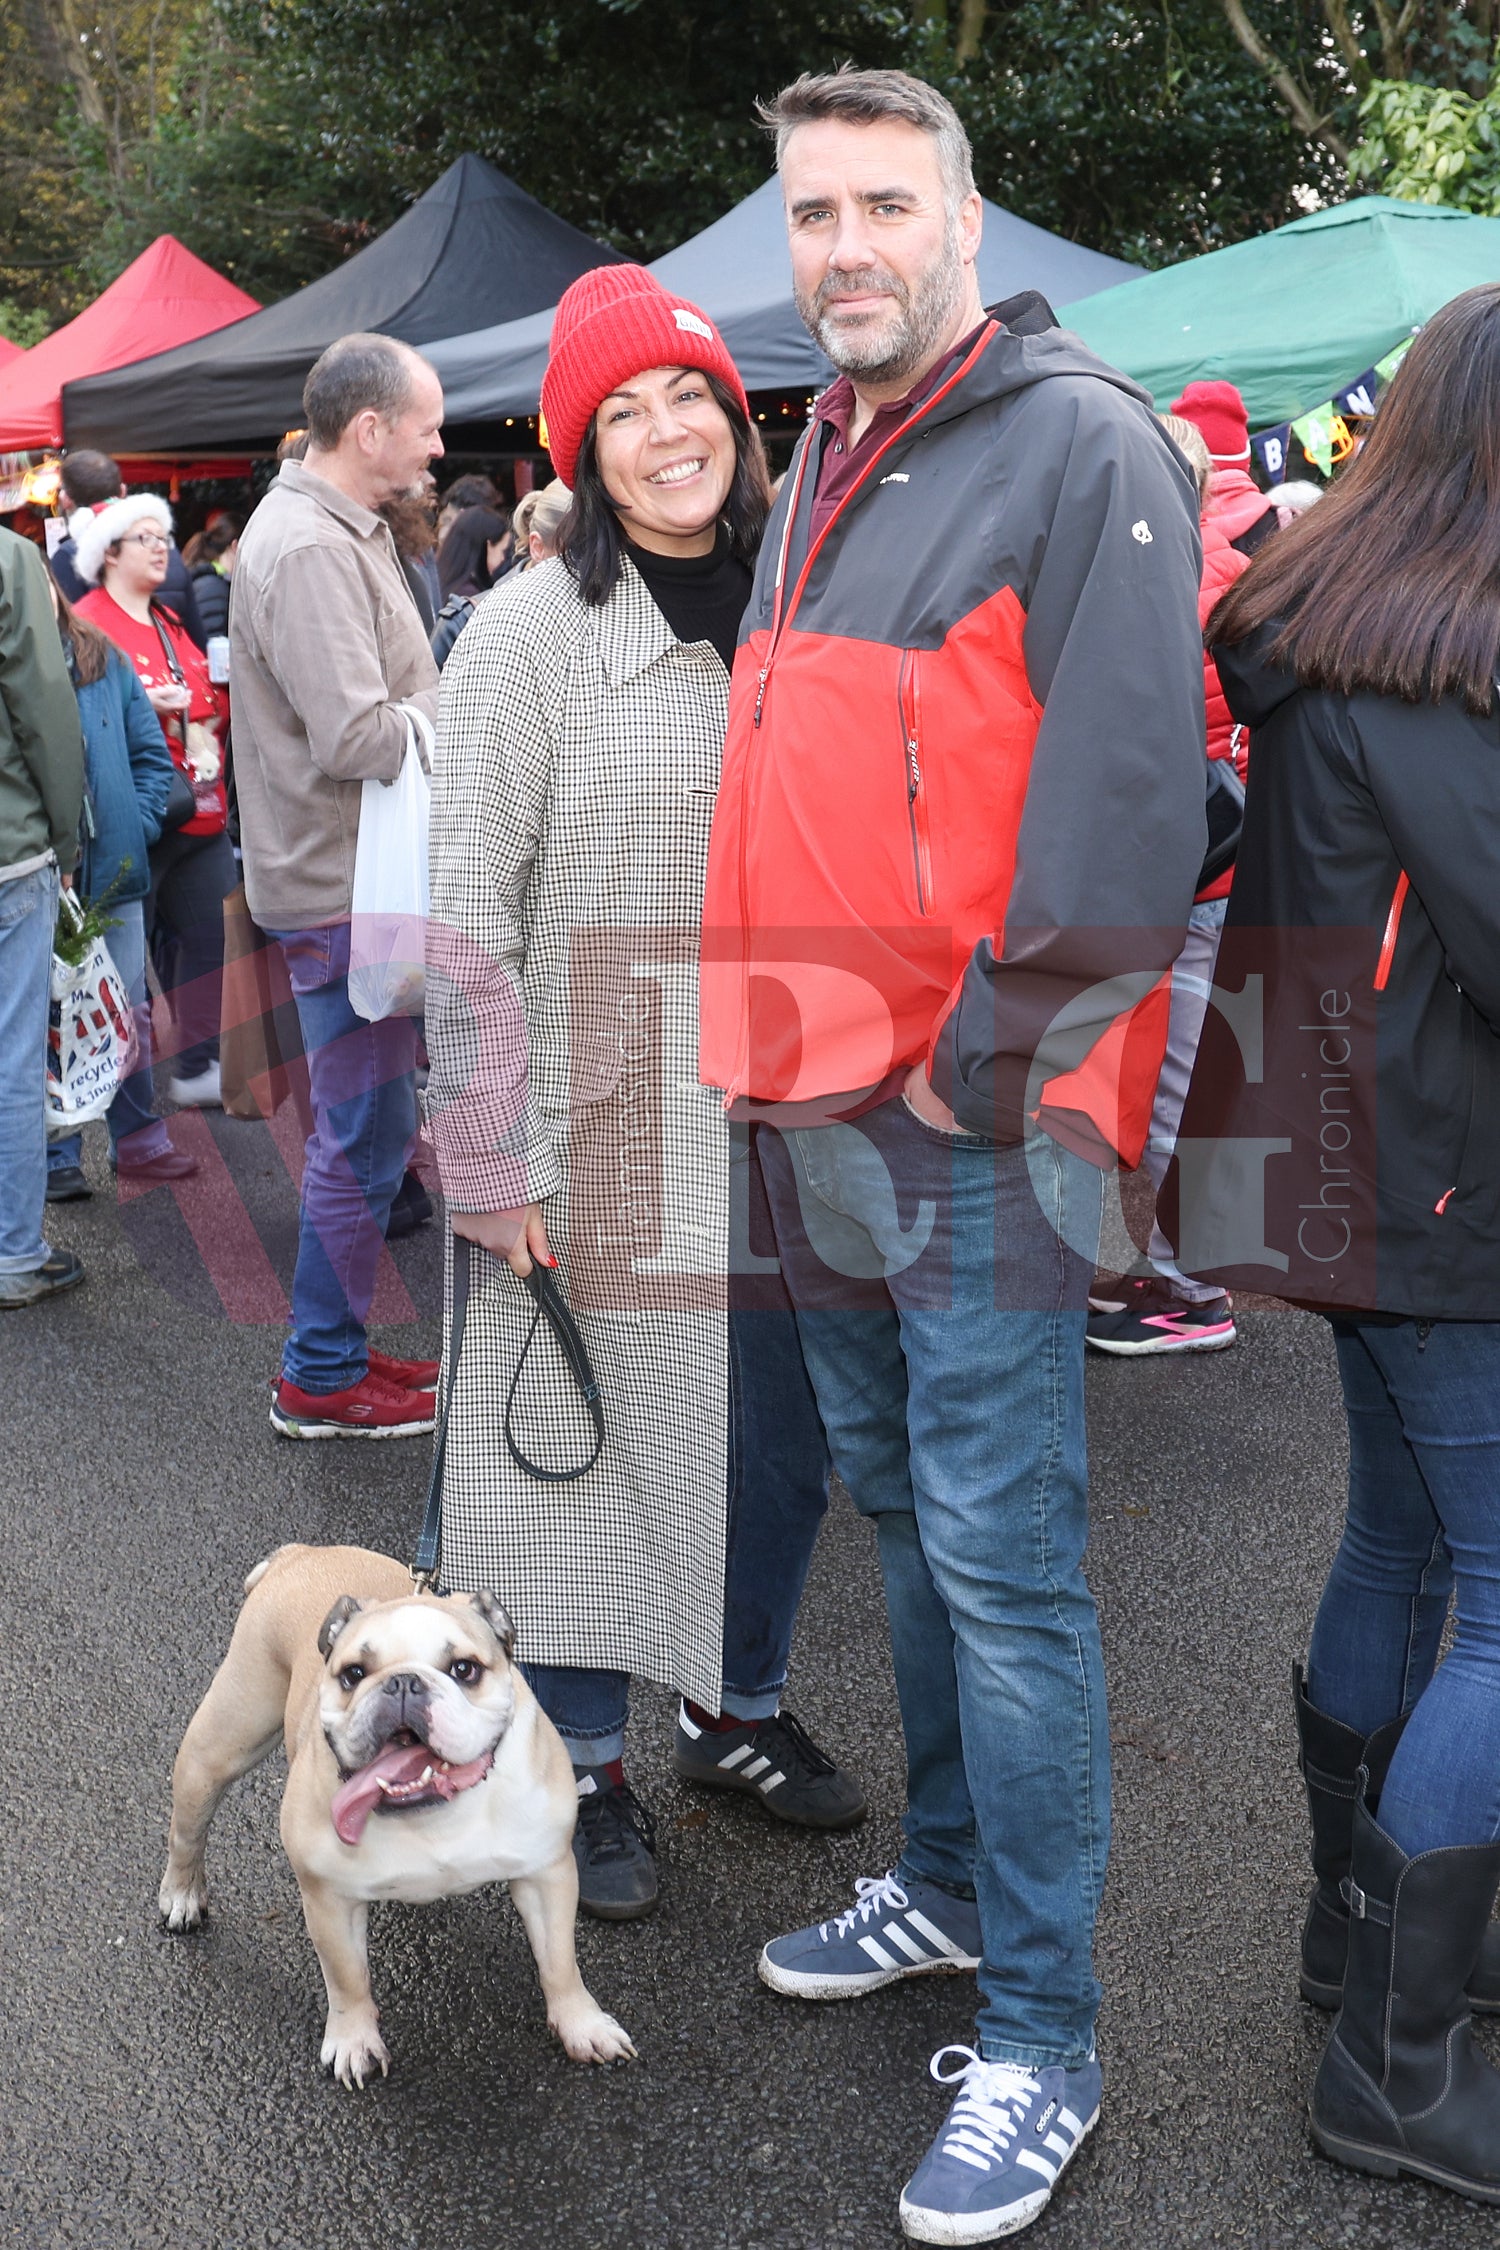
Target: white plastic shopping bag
pixel 91 1041
pixel 388 929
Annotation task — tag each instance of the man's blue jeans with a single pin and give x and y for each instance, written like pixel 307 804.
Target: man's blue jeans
pixel 778 1493
pixel 131 1116
pixel 28 916
pixel 940 1283
pixel 1423 1402
pixel 363 1089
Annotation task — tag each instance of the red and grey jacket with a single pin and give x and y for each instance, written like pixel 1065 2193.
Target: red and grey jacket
pixel 962 807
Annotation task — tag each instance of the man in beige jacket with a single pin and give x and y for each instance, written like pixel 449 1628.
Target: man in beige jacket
pixel 326 649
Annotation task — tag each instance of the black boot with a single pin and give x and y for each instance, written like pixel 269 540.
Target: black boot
pixel 1331 1755
pixel 1402 2087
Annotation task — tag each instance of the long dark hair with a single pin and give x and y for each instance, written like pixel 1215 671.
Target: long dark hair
pixel 1391 584
pixel 462 564
pixel 91 650
pixel 591 541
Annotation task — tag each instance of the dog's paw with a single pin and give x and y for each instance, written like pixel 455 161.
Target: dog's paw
pixel 182 1906
pixel 354 2051
pixel 590 2036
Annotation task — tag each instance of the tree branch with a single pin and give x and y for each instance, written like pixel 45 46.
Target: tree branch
pixel 971 17
pixel 1294 98
pixel 1355 59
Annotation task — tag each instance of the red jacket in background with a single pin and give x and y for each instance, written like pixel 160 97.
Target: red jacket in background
pixel 1235 503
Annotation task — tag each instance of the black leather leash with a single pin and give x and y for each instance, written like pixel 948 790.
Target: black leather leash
pixel 552 1307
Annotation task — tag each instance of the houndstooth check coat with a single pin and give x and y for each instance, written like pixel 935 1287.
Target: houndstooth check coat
pixel 574 783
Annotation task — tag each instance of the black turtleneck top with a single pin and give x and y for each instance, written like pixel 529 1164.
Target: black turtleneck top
pixel 702 597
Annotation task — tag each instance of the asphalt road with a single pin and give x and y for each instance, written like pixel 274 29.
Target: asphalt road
pixel 162 2091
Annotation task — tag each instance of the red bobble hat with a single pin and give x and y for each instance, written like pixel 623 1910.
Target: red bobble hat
pixel 1218 411
pixel 611 325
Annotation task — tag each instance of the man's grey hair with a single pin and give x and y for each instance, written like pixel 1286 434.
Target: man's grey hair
pixel 870 97
pixel 353 376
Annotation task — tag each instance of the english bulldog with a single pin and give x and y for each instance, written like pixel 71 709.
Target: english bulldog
pixel 420 1766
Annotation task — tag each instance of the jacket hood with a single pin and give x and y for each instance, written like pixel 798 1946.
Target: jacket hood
pixel 1029 348
pixel 1253 686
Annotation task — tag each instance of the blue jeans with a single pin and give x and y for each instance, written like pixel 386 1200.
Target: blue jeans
pixel 778 1492
pixel 131 1116
pixel 940 1284
pixel 1423 1403
pixel 363 1089
pixel 28 916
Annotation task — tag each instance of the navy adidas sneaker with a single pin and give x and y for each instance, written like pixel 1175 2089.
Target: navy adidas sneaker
pixel 1009 2137
pixel 891 1931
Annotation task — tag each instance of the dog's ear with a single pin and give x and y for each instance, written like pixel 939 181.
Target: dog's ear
pixel 496 1616
pixel 347 1606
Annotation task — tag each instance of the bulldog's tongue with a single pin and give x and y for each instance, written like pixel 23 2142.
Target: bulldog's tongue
pixel 402 1772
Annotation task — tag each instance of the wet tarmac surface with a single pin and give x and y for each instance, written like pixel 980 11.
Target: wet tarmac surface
pixel 166 2091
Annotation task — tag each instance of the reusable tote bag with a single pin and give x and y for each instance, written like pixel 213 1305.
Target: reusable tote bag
pixel 91 1042
pixel 388 924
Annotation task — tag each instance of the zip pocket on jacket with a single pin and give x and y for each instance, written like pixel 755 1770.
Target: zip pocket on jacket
pixel 909 704
pixel 1392 932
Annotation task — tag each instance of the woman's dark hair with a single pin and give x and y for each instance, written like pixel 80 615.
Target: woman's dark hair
pixel 1391 584
pixel 91 650
pixel 591 541
pixel 213 540
pixel 463 567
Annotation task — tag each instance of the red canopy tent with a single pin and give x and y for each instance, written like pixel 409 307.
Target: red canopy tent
pixel 8 351
pixel 165 297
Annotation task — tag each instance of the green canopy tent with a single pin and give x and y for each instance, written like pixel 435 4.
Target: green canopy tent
pixel 1294 315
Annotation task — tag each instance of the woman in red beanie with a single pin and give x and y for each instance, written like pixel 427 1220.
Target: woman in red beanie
pixel 580 737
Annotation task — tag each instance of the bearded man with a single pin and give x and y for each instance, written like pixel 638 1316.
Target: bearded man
pixel 955 849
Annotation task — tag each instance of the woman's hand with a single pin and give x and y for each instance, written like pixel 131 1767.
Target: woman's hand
pixel 516 1236
pixel 168 699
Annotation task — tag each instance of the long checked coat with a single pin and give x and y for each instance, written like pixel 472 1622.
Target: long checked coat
pixel 574 783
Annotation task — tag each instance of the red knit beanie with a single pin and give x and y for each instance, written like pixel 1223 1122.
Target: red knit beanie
pixel 613 324
pixel 1219 412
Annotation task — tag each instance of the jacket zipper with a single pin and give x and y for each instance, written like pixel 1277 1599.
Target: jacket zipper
pixel 1392 932
pixel 909 708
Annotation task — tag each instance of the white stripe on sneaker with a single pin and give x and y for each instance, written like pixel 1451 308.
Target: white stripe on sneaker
pixel 735 1758
pixel 751 1771
pixel 1069 2122
pixel 877 1953
pixel 895 1935
pixel 1059 2144
pixel 1035 2163
pixel 935 1936
pixel 772 1781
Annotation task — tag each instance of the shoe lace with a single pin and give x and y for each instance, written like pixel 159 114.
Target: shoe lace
pixel 988 2113
pixel 608 1816
pixel 872 1895
pixel 794 1748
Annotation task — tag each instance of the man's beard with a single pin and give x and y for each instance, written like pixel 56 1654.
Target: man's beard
pixel 880 351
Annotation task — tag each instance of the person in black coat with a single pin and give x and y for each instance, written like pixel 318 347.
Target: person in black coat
pixel 1342 1148
pixel 93 480
pixel 210 558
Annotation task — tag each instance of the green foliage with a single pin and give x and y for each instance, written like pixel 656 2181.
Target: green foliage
pixel 1431 144
pixel 21 327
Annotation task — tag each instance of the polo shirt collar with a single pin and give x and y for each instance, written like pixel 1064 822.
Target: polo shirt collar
pixel 297 477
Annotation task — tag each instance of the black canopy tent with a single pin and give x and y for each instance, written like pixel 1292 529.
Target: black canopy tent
pixel 739 271
pixel 475 249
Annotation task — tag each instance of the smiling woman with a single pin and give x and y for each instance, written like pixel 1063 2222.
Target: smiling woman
pixel 580 736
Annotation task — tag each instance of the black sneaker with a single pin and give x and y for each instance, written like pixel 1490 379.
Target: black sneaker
pixel 1145 1313
pixel 615 1847
pixel 775 1761
pixel 67 1184
pixel 411 1208
pixel 64 1269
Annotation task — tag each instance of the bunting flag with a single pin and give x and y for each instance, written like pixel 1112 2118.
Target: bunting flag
pixel 1322 435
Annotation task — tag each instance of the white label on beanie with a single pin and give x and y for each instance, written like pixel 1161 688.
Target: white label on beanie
pixel 691 320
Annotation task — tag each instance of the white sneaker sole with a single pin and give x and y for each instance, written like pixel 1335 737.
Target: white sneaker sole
pixel 960 2227
pixel 285 1426
pixel 1211 1340
pixel 805 1984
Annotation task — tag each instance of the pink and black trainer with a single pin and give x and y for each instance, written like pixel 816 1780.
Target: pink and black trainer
pixel 1147 1313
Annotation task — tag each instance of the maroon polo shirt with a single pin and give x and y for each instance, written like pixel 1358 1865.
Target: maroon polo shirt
pixel 840 464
